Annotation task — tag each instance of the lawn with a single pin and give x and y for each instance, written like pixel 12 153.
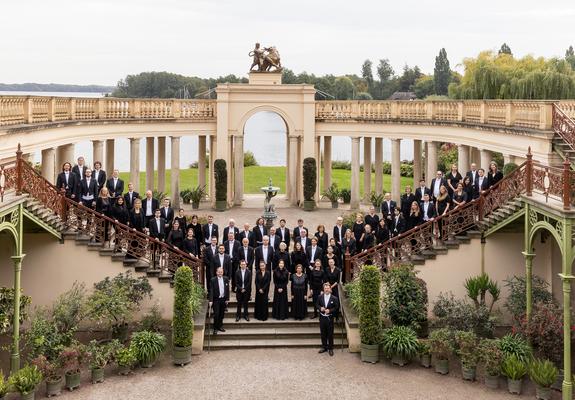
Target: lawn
pixel 256 177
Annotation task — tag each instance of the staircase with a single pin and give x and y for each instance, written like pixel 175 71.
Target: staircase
pixel 564 138
pixel 270 333
pixel 502 216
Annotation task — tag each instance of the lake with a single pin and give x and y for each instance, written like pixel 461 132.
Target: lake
pixel 265 136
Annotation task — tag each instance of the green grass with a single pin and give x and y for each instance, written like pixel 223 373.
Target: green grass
pixel 256 177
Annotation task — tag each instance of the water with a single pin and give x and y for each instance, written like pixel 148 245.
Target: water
pixel 265 136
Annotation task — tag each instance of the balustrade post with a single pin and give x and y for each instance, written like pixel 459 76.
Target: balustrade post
pixel 510 114
pixel 348 275
pixel 176 109
pixel 393 110
pixel 529 173
pixel 480 205
pixel 135 109
pixel 101 109
pixel 19 167
pixel 460 106
pixel 354 110
pixel 566 185
pixel 482 113
pixel 28 110
pixel 545 116
pixel 52 109
pixel 72 109
pixel 429 110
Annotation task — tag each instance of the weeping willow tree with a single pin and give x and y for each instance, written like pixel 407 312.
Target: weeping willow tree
pixel 501 76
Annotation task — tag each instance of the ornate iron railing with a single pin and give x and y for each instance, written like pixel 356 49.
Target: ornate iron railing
pixel 563 125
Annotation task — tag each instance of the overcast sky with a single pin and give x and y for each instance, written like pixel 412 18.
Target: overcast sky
pixel 101 41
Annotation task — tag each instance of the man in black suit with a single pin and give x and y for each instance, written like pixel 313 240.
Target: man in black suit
pixel 231 227
pixel 243 289
pixel 167 214
pixel 210 229
pixel 481 183
pixel 297 230
pixel 246 253
pixel 88 190
pixel 265 253
pixel 398 225
pixel 157 230
pixel 274 239
pixel 303 239
pixel 149 205
pixel 99 175
pixel 116 186
pixel 388 207
pixel 80 168
pixel 248 234
pixel 314 252
pixel 372 219
pixel 67 182
pixel 130 196
pixel 436 183
pixel 219 297
pixel 421 190
pixel 328 306
pixel 339 232
pixel 232 246
pixel 283 232
pixel 221 259
pixel 210 252
pixel 259 232
pixel 428 208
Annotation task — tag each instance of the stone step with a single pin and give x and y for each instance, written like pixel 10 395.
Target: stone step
pixel 95 246
pixel 218 342
pixel 440 249
pixel 417 259
pixel 165 277
pixel 231 313
pixel 474 234
pixel 462 238
pixel 118 257
pixel 270 323
pixel 429 254
pixel 106 252
pixel 263 334
pixel 83 239
pixel 451 243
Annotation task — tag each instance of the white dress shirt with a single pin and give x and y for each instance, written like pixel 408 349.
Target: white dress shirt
pixel 221 286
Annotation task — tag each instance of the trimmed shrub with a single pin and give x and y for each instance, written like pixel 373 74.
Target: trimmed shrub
pixel 309 178
pixel 370 309
pixel 509 168
pixel 250 159
pixel 183 324
pixel 221 179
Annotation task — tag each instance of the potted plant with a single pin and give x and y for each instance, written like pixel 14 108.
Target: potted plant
pixel 25 380
pixel 333 194
pixel 424 351
pixel 514 369
pixel 72 358
pixel 370 313
pixel 467 343
pixel 126 359
pixel 376 199
pixel 147 347
pixel 183 321
pixel 515 345
pixel 491 356
pixel 52 373
pixel 543 373
pixel 4 386
pixel 309 183
pixel 345 195
pixel 197 194
pixel 221 180
pixel 99 355
pixel 441 343
pixel 400 343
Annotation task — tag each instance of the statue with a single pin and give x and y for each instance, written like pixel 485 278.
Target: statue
pixel 265 59
pixel 269 209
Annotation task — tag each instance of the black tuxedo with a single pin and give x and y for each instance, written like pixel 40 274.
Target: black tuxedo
pixel 259 256
pixel 90 189
pixel 209 261
pixel 219 300
pixel 443 183
pixel 70 186
pixel 206 233
pixel 243 297
pixel 258 235
pixel 431 211
pixel 249 234
pixel 419 193
pixel 478 188
pixel 326 319
pixel 336 231
pixel 470 175
pixel 234 248
pixel 154 231
pixel 154 206
pixel 386 210
pixel 236 232
pixel 304 245
pixel 101 178
pixel 167 215
pixel 276 242
pixel 130 203
pixel 318 254
pixel 399 226
pixel 296 233
pixel 116 190
pixel 226 264
pixel 287 236
pixel 241 255
pixel 76 170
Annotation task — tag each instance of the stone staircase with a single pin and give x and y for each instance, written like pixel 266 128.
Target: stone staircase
pixel 564 150
pixel 443 247
pixel 502 214
pixel 270 333
pixel 45 214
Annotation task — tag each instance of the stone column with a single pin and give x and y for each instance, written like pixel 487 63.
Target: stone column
pixel 175 172
pixel 109 157
pixel 64 153
pixel 486 158
pixel 134 163
pixel 326 162
pixel 213 156
pixel 150 163
pixel 201 160
pixel 378 165
pixel 417 169
pixel 396 169
pixel 48 168
pixel 366 168
pixel 292 170
pixel 431 161
pixel 318 168
pixel 97 151
pixel 162 163
pixel 355 196
pixel 238 170
pixel 15 356
pixel 463 159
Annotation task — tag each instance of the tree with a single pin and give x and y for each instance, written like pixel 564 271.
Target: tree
pixel 570 57
pixel 505 49
pixel 384 71
pixel 367 73
pixel 425 86
pixel 408 78
pixel 441 73
pixel 344 88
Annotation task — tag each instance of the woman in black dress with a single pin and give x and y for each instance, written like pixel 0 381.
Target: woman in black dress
pixel 322 239
pixel 358 229
pixel 119 211
pixel 316 283
pixel 197 227
pixel 263 279
pixel 494 175
pixel 382 232
pixel 442 205
pixel 282 255
pixel 406 199
pixel 468 188
pixel 104 206
pixel 299 293
pixel 280 308
pixel 137 222
pixel 191 244
pixel 453 178
pixel 414 217
pixel 368 238
pixel 332 275
pixel 459 196
pixel 181 218
pixel 348 244
pixel 298 256
pixel 176 236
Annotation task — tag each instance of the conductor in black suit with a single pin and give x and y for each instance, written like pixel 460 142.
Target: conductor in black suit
pixel 67 181
pixel 219 297
pixel 328 307
pixel 243 290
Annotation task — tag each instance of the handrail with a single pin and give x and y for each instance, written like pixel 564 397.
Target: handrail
pixel 564 126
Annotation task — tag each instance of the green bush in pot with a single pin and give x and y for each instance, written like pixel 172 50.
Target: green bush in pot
pixel 183 320
pixel 126 359
pixel 221 182
pixel 147 346
pixel 72 359
pixel 466 349
pixel 309 183
pixel 52 373
pixel 491 356
pixel 424 351
pixel 514 369
pixel 544 374
pixel 370 313
pixel 333 194
pixel 400 344
pixel 25 381
pixel 441 343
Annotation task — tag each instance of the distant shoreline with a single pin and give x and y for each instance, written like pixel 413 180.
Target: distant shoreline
pixel 54 87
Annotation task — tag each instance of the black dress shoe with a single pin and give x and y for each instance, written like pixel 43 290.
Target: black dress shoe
pixel 331 352
pixel 247 318
pixel 322 351
pixel 237 319
pixel 221 329
pixel 313 316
